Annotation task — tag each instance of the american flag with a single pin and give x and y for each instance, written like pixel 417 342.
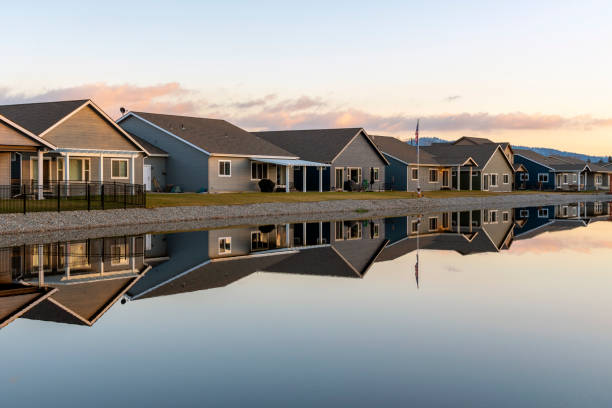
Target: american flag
pixel 416 271
pixel 416 134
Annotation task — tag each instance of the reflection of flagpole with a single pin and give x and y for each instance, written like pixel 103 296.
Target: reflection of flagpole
pixel 416 265
pixel 416 135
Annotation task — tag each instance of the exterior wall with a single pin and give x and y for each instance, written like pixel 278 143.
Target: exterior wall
pixel 359 153
pixel 396 175
pixel 158 171
pixel 533 169
pixel 572 180
pixel 359 251
pixel 590 181
pixel 11 137
pixel 86 129
pixel 426 185
pixel 240 179
pixel 5 169
pixel 497 230
pixel 498 164
pixel 186 166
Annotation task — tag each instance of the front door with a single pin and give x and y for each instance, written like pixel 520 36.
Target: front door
pixel 339 178
pixel 46 170
pixel 146 175
pixel 445 178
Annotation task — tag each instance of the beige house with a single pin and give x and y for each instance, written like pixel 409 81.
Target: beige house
pixel 70 141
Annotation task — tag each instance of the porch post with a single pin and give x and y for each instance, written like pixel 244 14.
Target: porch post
pixel 287 232
pixel 304 233
pixel 41 269
pixel 40 174
pixel 470 221
pixel 132 169
pixel 458 178
pixel 458 222
pixel 286 179
pixel 304 179
pixel 320 179
pixel 470 178
pixel 101 165
pixel 131 254
pixel 67 173
pixel 67 260
pixel 578 181
pixel 320 233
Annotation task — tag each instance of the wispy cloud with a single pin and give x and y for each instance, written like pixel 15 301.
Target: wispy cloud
pixel 452 98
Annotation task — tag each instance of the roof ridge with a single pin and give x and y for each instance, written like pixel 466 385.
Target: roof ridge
pixel 47 102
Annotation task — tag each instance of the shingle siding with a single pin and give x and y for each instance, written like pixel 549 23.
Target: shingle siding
pixel 186 166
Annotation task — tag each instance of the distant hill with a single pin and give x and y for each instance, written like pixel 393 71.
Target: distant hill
pixel 426 141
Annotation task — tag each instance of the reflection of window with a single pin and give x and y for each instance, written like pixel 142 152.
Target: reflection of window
pixel 414 226
pixel 355 231
pixel 259 171
pixel 433 176
pixel 339 230
pixel 375 231
pixel 415 174
pixel 433 223
pixel 119 169
pixel 598 207
pixel 445 219
pixel 118 254
pixel 79 255
pixel 543 177
pixel 259 240
pixel 225 168
pixel 564 211
pixel 493 216
pixel 225 245
pixel 505 216
pixel 543 212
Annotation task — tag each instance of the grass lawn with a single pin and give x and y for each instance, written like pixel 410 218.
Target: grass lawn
pixel 155 200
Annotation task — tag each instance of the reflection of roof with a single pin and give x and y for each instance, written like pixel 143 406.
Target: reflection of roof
pixel 17 299
pixel 553 225
pixel 215 136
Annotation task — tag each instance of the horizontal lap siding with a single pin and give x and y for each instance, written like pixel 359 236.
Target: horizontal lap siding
pixel 533 169
pixel 158 171
pixel 424 179
pixel 396 174
pixel 499 165
pixel 360 153
pixel 186 166
pixel 11 137
pixel 240 179
pixel 5 169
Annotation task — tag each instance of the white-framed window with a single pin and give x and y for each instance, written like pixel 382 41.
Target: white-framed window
pixel 574 177
pixel 259 171
pixel 565 179
pixel 225 168
pixel 598 207
pixel 542 177
pixel 339 233
pixel 542 212
pixel 493 216
pixel 598 179
pixel 433 223
pixel 414 173
pixel 485 217
pixel 524 176
pixel 414 226
pixel 60 169
pixel 355 231
pixel 505 216
pixel 259 240
pixel 354 173
pixel 506 179
pixel 119 254
pixel 375 172
pixel 225 245
pixel 119 169
pixel 486 180
pixel 565 211
pixel 493 180
pixel 433 175
pixel 375 230
pixel 524 213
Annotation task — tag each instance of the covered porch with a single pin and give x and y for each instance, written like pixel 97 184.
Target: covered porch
pixel 466 176
pixel 291 174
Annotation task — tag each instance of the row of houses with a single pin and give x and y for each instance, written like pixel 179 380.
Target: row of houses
pixel 76 141
pixel 79 281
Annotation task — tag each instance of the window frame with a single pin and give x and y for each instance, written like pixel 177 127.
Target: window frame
pixel 412 170
pixel 506 178
pixel 429 224
pixel 414 230
pixel 127 169
pixel 492 175
pixel 228 240
pixel 505 216
pixel 433 171
pixel 540 175
pixel 341 230
pixel 524 213
pixel 375 230
pixel 263 166
pixel 219 168
pixel 541 213
pixel 524 176
pixel 375 173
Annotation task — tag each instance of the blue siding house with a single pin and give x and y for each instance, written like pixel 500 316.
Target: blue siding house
pixel 537 172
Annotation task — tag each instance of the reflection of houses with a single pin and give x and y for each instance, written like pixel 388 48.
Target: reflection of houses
pixel 208 259
pixel 86 277
pixel 466 232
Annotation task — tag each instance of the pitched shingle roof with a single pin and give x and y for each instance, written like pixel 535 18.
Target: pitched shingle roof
pixel 215 136
pixel 318 145
pixel 459 153
pixel 150 149
pixel 554 163
pixel 38 117
pixel 402 150
pixel 472 140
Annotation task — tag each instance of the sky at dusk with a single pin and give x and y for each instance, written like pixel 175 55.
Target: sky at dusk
pixel 531 73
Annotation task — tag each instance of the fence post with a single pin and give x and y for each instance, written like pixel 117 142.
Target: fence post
pixel 88 198
pixel 59 197
pixel 24 198
pixel 102 195
pixel 124 196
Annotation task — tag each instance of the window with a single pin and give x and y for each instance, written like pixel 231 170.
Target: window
pixel 415 174
pixel 598 207
pixel 433 176
pixel 505 216
pixel 485 216
pixel 354 173
pixel 493 180
pixel 524 213
pixel 375 173
pixel 259 171
pixel 414 226
pixel 524 177
pixel 433 223
pixel 119 254
pixel 598 179
pixel 564 211
pixel 542 212
pixel 485 182
pixel 60 169
pixel 542 177
pixel 13 156
pixel 355 231
pixel 339 230
pixel 445 220
pixel 225 168
pixel 375 231
pixel 506 179
pixel 259 240
pixel 119 168
pixel 574 177
pixel 493 217
pixel 225 245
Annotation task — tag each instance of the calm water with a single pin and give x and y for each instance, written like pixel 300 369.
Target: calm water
pixel 506 307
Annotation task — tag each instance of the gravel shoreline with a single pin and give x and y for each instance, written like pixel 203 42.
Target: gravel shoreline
pixel 48 227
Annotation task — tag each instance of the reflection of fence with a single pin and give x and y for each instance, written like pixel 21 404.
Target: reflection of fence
pixel 70 196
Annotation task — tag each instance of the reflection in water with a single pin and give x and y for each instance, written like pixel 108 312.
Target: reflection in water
pixel 77 282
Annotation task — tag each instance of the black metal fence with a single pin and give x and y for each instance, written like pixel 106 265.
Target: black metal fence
pixel 71 196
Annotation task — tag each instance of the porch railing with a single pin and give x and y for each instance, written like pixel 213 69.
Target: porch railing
pixel 71 196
